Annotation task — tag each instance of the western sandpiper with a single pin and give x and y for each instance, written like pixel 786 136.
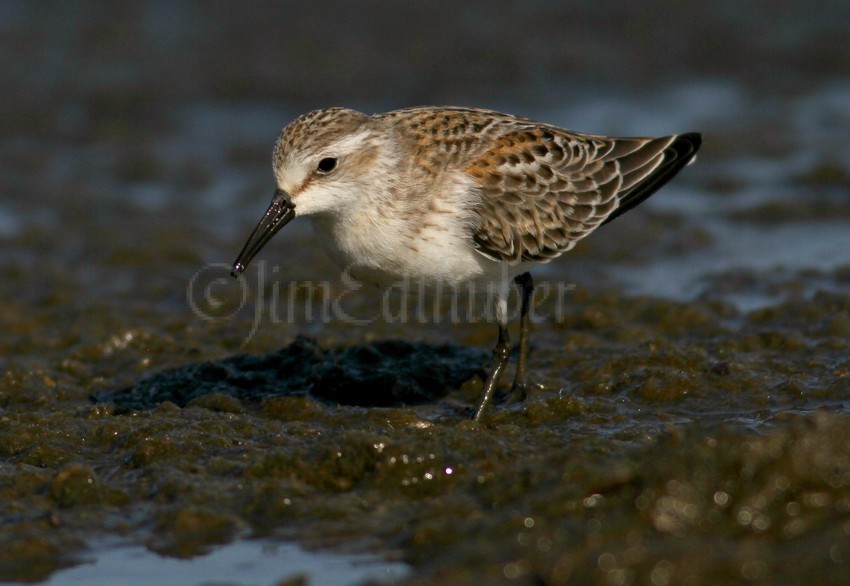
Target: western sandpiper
pixel 457 195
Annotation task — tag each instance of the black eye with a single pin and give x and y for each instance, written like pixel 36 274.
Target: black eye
pixel 326 165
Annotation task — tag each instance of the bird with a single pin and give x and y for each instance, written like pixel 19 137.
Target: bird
pixel 452 195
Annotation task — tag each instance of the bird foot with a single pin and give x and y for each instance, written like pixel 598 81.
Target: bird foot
pixel 519 392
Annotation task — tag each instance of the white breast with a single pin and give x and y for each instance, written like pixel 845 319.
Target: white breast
pixel 426 242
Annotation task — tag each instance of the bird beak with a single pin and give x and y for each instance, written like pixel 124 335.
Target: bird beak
pixel 280 212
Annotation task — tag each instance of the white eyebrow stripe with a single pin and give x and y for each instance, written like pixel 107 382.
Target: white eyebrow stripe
pixel 346 144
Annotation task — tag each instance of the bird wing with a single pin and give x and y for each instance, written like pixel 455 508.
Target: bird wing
pixel 544 189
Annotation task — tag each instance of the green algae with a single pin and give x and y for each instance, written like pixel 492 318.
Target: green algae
pixel 75 484
pixel 685 448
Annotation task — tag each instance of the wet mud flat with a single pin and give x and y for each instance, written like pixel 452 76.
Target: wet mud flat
pixel 673 442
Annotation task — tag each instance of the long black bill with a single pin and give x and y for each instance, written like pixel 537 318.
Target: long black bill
pixel 280 212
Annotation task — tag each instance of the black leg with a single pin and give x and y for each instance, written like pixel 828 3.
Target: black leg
pixel 520 388
pixel 501 354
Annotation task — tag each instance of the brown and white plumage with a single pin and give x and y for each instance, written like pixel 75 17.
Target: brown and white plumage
pixel 456 195
pixel 542 188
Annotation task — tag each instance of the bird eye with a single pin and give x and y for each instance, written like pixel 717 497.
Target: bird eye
pixel 326 165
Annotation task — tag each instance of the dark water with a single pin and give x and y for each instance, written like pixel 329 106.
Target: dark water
pixel 695 355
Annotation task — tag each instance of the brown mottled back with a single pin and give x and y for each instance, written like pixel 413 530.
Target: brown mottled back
pixel 542 188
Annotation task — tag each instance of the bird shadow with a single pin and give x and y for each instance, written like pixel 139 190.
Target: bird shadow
pixel 380 374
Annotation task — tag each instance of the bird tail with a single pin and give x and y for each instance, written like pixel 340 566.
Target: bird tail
pixel 646 174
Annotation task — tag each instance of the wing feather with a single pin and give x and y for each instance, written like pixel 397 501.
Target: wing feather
pixel 543 189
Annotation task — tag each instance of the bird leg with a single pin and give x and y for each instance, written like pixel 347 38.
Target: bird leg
pixel 521 386
pixel 501 354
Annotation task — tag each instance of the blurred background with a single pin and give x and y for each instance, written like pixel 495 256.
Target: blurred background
pixel 135 142
pixel 135 138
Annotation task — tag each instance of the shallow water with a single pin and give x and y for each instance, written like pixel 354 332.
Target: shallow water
pixel 695 355
pixel 241 562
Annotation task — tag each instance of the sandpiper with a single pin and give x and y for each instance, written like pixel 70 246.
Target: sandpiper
pixel 457 195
